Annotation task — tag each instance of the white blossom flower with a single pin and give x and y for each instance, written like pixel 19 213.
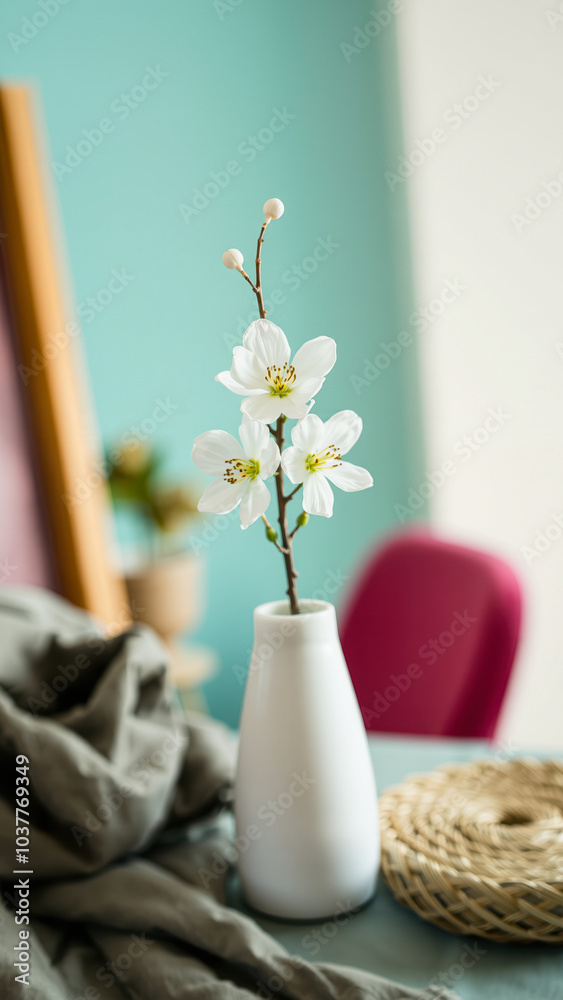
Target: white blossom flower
pixel 262 372
pixel 316 458
pixel 240 470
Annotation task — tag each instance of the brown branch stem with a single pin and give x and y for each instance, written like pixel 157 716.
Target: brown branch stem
pixel 258 288
pixel 293 492
pixel 250 281
pixel 287 548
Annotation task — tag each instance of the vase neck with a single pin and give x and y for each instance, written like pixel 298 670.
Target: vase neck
pixel 316 621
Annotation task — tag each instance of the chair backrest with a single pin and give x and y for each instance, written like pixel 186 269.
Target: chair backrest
pixel 429 634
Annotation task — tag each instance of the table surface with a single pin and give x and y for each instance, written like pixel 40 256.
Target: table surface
pixel 391 941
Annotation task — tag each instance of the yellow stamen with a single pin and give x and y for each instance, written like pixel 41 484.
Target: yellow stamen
pixel 329 458
pixel 240 468
pixel 281 379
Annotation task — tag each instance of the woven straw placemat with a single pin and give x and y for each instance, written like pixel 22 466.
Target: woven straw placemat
pixel 478 848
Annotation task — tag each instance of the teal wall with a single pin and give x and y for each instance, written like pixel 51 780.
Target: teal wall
pixel 218 72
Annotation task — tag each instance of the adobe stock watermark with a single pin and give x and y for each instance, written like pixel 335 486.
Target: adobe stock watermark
pixel 446 979
pixel 505 750
pixel 91 307
pixel 312 943
pixel 224 7
pixel 266 816
pixel 7 569
pixel 140 772
pixel 257 656
pixel 137 433
pixel 544 539
pixel 30 26
pixel 87 309
pixel 464 449
pixel 554 16
pixel 453 119
pixel 247 150
pixel 66 673
pixel 537 204
pixel 420 320
pixel 292 279
pixel 364 35
pixel 119 110
pixel 430 652
pixel 113 971
pixel 211 530
pixel 317 938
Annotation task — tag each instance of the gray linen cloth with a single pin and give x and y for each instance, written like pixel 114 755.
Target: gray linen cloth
pixel 124 793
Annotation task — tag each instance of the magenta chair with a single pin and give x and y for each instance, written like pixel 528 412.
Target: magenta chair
pixel 429 634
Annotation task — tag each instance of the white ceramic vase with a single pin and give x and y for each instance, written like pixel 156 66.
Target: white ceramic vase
pixel 305 803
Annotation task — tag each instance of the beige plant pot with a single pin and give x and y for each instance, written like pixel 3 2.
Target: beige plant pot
pixel 168 594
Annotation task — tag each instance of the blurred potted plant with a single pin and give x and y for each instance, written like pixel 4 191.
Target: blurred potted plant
pixel 166 588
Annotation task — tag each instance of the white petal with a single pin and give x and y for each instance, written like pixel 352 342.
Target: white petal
pixel 222 497
pixel 264 407
pixel 212 449
pixel 254 436
pixel 315 358
pixel 349 478
pixel 226 379
pixel 318 497
pixel 296 404
pixel 248 369
pixel 255 502
pixel 307 434
pixel 293 464
pixel 268 342
pixel 269 459
pixel 342 430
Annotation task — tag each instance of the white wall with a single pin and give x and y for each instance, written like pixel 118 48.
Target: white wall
pixel 500 343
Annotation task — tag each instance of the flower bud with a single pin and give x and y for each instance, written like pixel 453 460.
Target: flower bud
pixel 271 534
pixel 273 209
pixel 302 519
pixel 233 259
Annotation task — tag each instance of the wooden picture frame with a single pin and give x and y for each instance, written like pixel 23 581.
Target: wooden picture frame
pixel 53 393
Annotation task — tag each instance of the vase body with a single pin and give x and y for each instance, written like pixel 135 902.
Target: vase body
pixel 305 803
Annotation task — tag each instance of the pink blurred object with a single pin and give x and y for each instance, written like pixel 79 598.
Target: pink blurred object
pixel 25 555
pixel 430 633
